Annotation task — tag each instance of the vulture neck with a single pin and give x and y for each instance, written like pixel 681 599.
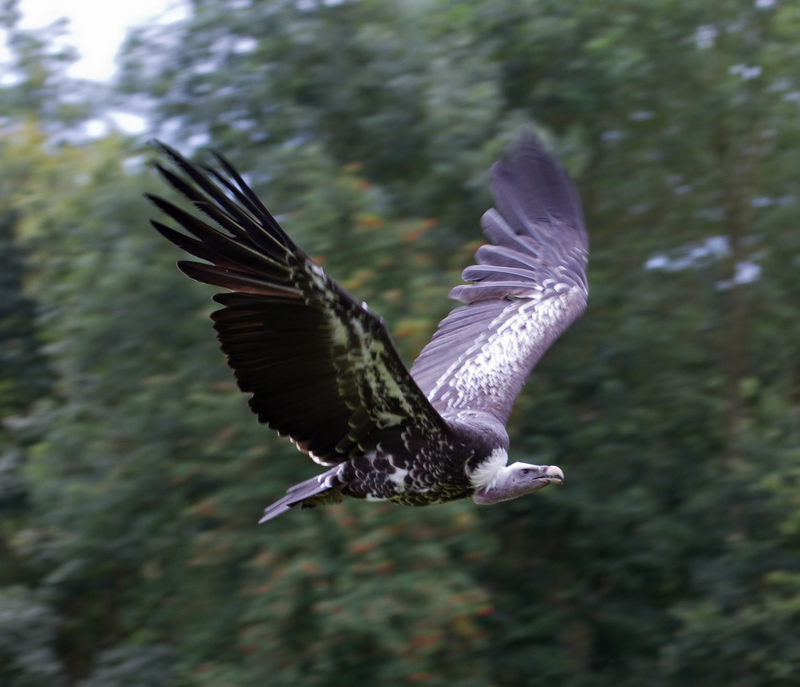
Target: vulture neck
pixel 493 480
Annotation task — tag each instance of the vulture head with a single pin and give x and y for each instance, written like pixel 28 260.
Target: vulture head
pixel 507 482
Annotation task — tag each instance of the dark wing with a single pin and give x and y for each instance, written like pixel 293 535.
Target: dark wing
pixel 321 366
pixel 526 289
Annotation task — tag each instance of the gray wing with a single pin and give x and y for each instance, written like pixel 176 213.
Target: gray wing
pixel 321 367
pixel 528 287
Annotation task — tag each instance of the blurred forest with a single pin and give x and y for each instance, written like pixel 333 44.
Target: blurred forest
pixel 132 473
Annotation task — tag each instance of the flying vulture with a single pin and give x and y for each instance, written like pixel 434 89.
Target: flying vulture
pixel 322 367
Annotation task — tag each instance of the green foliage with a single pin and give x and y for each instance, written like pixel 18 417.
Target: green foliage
pixel 23 374
pixel 131 666
pixel 670 557
pixel 27 630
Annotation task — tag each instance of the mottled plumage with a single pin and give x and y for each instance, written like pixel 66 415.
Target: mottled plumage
pixel 323 370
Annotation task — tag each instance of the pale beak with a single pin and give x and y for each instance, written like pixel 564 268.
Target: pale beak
pixel 552 474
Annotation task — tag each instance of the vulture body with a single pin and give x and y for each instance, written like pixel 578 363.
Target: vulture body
pixel 323 370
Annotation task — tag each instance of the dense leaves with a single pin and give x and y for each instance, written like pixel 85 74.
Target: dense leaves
pixel 131 473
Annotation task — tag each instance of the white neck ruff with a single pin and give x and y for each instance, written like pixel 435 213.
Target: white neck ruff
pixel 487 472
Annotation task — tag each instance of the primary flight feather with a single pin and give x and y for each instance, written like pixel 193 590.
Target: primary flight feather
pixel 322 367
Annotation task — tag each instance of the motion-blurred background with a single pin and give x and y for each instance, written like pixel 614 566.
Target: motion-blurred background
pixel 132 473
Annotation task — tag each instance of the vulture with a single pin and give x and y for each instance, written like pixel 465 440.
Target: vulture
pixel 322 368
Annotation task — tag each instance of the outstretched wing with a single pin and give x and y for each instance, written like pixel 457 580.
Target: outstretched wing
pixel 526 289
pixel 321 367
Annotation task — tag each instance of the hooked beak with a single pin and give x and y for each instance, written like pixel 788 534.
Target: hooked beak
pixel 552 474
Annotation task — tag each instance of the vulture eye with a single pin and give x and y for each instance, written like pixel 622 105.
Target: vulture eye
pixel 524 471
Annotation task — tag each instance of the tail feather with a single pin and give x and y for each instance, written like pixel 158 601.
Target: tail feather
pixel 315 491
